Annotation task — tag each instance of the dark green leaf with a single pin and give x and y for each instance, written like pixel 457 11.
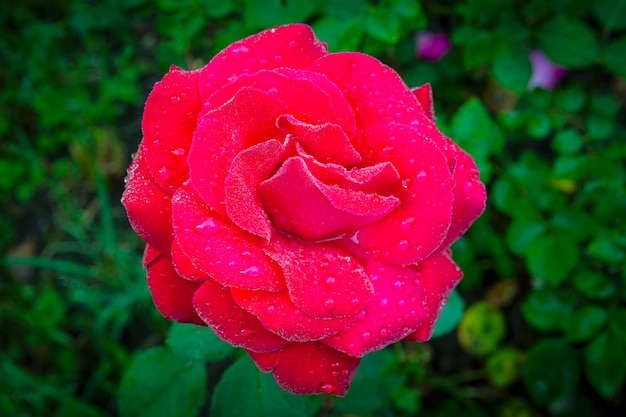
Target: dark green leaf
pixel 383 26
pixel 511 67
pixel 567 141
pixel 611 13
pixel 584 323
pixel 615 57
pixel 604 364
pixel 197 342
pixel 594 284
pixel 503 367
pixel 546 308
pixel 552 259
pixel 523 232
pixel 160 383
pixel 568 42
pixel 551 371
pixel 246 391
pixel 339 34
pixel 450 316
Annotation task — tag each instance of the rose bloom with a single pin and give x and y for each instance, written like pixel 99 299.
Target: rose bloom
pixel 299 203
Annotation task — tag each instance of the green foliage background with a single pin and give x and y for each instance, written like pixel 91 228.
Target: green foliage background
pixel 538 325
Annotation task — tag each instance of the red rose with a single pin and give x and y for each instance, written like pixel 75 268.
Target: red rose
pixel 299 203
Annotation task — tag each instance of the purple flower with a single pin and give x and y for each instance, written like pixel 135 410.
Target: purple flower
pixel 546 74
pixel 431 46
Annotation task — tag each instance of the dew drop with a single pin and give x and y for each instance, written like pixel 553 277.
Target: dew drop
pixel 383 332
pixel 401 303
pixel 397 285
pixel 403 244
pixel 383 303
pixel 271 309
pixel 407 182
pixel 330 282
pixel 328 388
pixel 174 99
pixel 292 44
pixel 179 151
pixel 408 223
pixel 163 173
pixel 386 151
pixel 251 271
pixel 355 301
pixel 468 186
pixel 421 176
pixel 240 51
pixel 246 253
pixel 362 315
pixel 365 336
pixel 329 303
pixel 209 227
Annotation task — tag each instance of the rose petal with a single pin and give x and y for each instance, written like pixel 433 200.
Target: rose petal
pixel 469 197
pixel 397 309
pixel 318 107
pixel 266 362
pixel 172 294
pixel 326 142
pixel 183 265
pixel 230 255
pixel 323 281
pixel 148 206
pixel 249 168
pixel 247 119
pixel 279 315
pixel 439 275
pixel 293 46
pixel 169 120
pixel 419 226
pixel 230 322
pixel 149 255
pixel 424 95
pixel 301 204
pixel 363 79
pixel 314 368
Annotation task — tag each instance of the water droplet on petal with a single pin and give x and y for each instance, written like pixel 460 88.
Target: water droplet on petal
pixel 386 151
pixel 468 186
pixel 271 309
pixel 403 244
pixel 383 332
pixel 397 285
pixel 329 303
pixel 328 388
pixel 251 271
pixel 401 303
pixel 383 303
pixel 164 173
pixel 408 223
pixel 209 227
pixel 330 282
pixel 407 182
pixel 179 151
pixel 365 336
pixel 240 51
pixel 174 99
pixel 362 315
pixel 292 44
pixel 421 176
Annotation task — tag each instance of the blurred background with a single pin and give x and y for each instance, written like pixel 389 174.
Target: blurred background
pixel 534 90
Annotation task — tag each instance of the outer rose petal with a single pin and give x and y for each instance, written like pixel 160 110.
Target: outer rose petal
pixel 397 309
pixel 291 46
pixel 247 119
pixel 183 265
pixel 363 79
pixel 313 368
pixel 230 322
pixel 323 281
pixel 172 294
pixel 169 120
pixel 419 226
pixel 424 95
pixel 149 255
pixel 301 204
pixel 230 255
pixel 249 168
pixel 266 362
pixel 439 275
pixel 149 208
pixel 279 315
pixel 469 197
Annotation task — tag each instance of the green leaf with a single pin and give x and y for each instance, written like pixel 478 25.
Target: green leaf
pixel 551 371
pixel 450 316
pixel 594 284
pixel 522 232
pixel 382 25
pixel 552 259
pixel 511 67
pixel 567 141
pixel 243 390
pixel 263 14
pixel 584 323
pixel 605 367
pixel 568 42
pixel 503 367
pixel 372 385
pixel 611 13
pixel 617 324
pixel 339 34
pixel 160 383
pixel 481 329
pixel 197 343
pixel 615 56
pixel 546 308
